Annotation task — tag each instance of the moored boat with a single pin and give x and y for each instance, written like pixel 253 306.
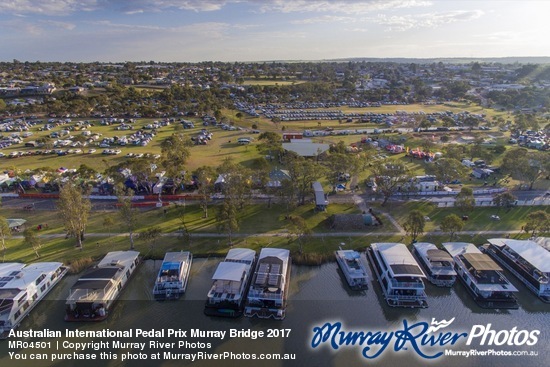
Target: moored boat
pixel 173 275
pixel 268 292
pixel 93 295
pixel 231 281
pixel 482 277
pixel 22 288
pixel 527 260
pixel 438 265
pixel 353 268
pixel 398 274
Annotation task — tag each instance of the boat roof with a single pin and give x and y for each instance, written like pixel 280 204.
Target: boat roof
pixel 231 271
pixel 7 268
pixel 529 250
pixel 21 277
pixel 100 273
pixel 349 255
pixel 430 251
pixel 399 259
pixel 459 248
pixel 175 257
pixel 91 284
pixel 118 258
pixel 281 253
pixel 241 254
pixel 481 262
pixel 438 255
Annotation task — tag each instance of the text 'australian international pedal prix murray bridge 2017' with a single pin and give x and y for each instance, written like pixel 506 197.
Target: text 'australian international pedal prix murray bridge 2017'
pixel 327 213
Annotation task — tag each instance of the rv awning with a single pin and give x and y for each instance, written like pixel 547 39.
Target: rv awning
pixel 481 262
pixel 438 255
pixel 229 271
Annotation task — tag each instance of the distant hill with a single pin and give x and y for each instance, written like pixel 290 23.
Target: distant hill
pixel 451 60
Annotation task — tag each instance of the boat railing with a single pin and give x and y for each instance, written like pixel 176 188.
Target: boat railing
pixel 408 298
pixel 254 293
pixel 415 284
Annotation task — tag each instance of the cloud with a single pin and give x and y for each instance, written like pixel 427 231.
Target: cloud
pixel 53 7
pixel 61 25
pixel 430 20
pixel 336 6
pixel 64 7
pixel 324 19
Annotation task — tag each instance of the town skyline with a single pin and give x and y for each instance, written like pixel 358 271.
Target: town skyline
pixel 251 30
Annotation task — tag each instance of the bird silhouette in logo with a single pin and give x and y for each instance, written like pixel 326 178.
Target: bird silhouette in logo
pixel 439 325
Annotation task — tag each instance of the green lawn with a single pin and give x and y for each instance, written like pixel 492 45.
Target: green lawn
pixel 478 219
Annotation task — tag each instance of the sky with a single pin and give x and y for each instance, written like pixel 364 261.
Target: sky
pixel 264 30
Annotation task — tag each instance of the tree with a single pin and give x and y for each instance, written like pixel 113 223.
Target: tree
pixel 108 222
pixel 451 224
pixel 128 214
pixel 447 169
pixel 31 239
pixel 174 155
pixel 414 224
pixel 299 229
pixel 227 218
pixel 74 209
pixel 205 176
pixel 389 177
pixel 150 234
pixel 270 143
pixel 303 172
pixel 526 166
pixel 465 200
pixel 505 200
pixel 537 222
pixel 287 196
pixel 5 233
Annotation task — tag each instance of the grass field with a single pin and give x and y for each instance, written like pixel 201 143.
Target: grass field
pixel 256 220
pixel 222 145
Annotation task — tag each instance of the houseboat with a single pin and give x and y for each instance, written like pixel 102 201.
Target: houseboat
pixel 22 287
pixel 437 264
pixel 173 275
pixel 527 260
pixel 399 275
pixel 482 277
pixel 230 284
pixel 93 295
pixel 268 292
pixel 353 268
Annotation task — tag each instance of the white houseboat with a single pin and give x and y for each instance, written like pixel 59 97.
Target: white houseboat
pixel 482 277
pixel 93 295
pixel 173 275
pixel 22 287
pixel 230 284
pixel 527 260
pixel 438 265
pixel 398 274
pixel 353 268
pixel 268 293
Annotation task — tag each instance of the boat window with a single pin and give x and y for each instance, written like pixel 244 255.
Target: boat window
pixel 43 288
pixel 40 279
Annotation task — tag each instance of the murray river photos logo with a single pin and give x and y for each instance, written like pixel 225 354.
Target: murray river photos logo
pixel 426 340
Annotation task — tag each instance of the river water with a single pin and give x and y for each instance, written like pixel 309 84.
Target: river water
pixel 318 294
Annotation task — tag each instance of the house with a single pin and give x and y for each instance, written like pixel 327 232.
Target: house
pixel 291 136
pixel 277 176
